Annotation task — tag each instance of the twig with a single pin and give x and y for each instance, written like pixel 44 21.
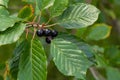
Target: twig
pixel 6 71
pixel 34 33
pixel 39 17
pixel 96 74
pixel 48 21
pixel 34 19
pixel 52 25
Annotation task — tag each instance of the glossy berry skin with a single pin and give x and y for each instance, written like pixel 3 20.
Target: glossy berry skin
pixel 40 32
pixel 54 33
pixel 48 40
pixel 47 32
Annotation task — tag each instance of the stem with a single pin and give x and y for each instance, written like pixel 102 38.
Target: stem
pixel 34 33
pixel 96 74
pixel 39 17
pixel 48 21
pixel 27 32
pixel 34 19
pixel 6 71
pixel 52 25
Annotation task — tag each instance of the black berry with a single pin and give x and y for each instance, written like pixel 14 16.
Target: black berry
pixel 48 40
pixel 47 32
pixel 40 32
pixel 54 33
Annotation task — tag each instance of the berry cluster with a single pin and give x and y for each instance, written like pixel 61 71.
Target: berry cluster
pixel 49 34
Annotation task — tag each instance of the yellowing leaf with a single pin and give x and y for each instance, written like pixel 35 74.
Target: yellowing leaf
pixel 26 12
pixel 99 32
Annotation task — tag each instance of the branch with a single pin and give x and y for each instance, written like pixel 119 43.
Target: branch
pixel 96 74
pixel 52 25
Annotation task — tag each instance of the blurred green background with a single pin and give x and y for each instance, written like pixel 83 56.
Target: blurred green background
pixel 110 14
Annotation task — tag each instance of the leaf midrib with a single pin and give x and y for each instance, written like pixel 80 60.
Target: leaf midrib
pixel 68 59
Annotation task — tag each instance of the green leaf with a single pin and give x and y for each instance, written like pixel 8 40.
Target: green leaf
pixel 98 49
pixel 11 34
pixel 4 2
pixel 112 53
pixel 29 1
pixel 100 59
pixel 14 62
pixel 7 21
pixel 58 7
pixel 42 4
pixel 98 32
pixel 80 32
pixel 14 67
pixel 1 77
pixel 32 62
pixel 113 73
pixel 117 2
pixel 37 11
pixel 86 48
pixel 76 1
pixel 26 12
pixel 3 11
pixel 79 15
pixel 110 13
pixel 68 57
pixel 5 55
pixel 2 66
